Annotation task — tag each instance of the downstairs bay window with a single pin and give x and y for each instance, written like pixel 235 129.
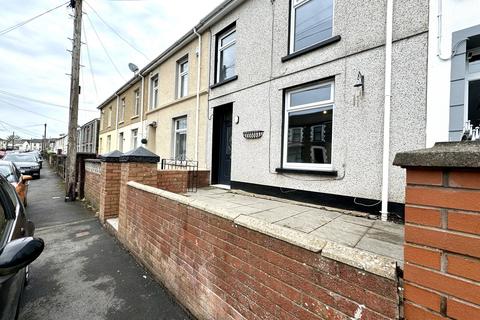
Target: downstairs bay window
pixel 308 127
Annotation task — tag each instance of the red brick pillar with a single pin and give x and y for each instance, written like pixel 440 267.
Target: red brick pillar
pixel 139 165
pixel 442 232
pixel 109 186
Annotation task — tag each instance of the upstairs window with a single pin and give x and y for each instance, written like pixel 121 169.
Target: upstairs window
pixel 154 92
pixel 110 111
pixel 121 115
pixel 226 54
pixel 136 109
pixel 311 23
pixel 182 78
pixel 308 127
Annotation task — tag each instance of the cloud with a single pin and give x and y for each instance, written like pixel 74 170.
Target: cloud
pixel 35 59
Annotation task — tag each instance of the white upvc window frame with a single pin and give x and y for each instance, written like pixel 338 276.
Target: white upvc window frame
pixel 110 111
pixel 179 131
pixel 181 75
pixel 294 6
pixel 134 138
pixel 121 114
pixel 221 48
pixel 323 105
pixel 121 138
pixel 154 92
pixel 109 143
pixel 136 108
pixel 469 77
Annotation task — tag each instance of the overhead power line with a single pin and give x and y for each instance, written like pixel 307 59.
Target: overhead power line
pixel 116 32
pixel 30 111
pixel 19 129
pixel 39 101
pixel 18 25
pixel 90 61
pixel 105 49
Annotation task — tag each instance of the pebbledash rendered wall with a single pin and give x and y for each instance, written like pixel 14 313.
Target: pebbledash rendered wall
pixel 257 94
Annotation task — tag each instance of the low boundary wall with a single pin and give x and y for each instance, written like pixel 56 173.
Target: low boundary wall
pixel 222 267
pixel 92 182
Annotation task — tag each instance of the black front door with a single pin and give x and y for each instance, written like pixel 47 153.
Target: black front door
pixel 222 144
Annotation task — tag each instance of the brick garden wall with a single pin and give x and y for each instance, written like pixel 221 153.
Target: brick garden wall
pixel 172 180
pixel 177 181
pixel 92 182
pixel 442 249
pixel 220 270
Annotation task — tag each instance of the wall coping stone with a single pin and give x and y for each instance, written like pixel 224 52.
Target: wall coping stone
pixel 367 261
pixel 113 156
pixel 140 154
pixel 463 154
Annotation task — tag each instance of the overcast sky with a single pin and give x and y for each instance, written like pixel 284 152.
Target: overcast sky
pixel 34 60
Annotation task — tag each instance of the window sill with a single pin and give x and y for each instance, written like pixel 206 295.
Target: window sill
pixel 319 45
pixel 332 173
pixel 218 84
pixel 134 117
pixel 121 122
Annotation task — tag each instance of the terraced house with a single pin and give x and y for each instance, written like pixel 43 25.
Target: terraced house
pixel 311 99
pixel 176 106
pixel 164 106
pixel 121 118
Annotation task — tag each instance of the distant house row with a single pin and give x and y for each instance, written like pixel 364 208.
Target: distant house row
pixel 309 99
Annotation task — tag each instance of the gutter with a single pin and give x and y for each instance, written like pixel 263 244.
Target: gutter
pixel 199 63
pixel 386 111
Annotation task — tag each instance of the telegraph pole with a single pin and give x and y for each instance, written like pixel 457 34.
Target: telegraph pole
pixel 44 148
pixel 74 93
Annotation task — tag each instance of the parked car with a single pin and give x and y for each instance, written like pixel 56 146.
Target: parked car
pixel 25 162
pixel 18 180
pixel 38 155
pixel 2 153
pixel 18 248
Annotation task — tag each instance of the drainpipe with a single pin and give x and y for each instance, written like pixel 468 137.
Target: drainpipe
pixel 142 108
pixel 116 121
pixel 199 62
pixel 386 112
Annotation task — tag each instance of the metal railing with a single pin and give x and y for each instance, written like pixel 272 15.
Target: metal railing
pixel 188 165
pixel 470 133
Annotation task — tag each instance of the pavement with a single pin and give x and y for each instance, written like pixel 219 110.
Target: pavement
pixel 351 229
pixel 84 273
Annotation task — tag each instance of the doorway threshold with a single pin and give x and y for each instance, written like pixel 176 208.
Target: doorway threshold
pixel 222 186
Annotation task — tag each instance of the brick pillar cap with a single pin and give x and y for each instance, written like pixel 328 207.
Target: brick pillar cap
pixel 140 154
pixel 463 154
pixel 113 156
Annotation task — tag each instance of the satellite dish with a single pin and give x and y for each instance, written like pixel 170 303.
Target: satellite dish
pixel 132 67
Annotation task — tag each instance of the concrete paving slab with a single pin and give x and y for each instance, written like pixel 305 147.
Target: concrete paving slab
pixel 309 220
pixel 346 236
pixel 381 247
pixel 273 215
pixel 341 227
